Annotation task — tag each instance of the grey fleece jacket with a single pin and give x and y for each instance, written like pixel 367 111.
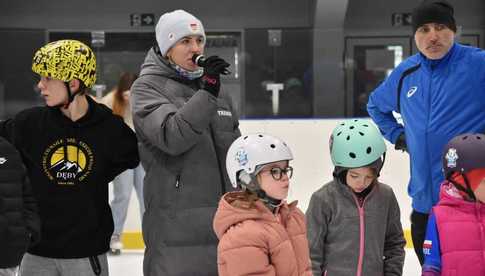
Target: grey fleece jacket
pixel 184 133
pixel 346 239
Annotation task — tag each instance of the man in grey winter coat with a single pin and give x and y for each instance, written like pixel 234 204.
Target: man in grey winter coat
pixel 185 125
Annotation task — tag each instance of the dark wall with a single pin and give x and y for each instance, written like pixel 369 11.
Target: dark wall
pixel 113 14
pixel 289 63
pixel 373 17
pixel 330 20
pixel 376 14
pixel 369 18
pixel 17 82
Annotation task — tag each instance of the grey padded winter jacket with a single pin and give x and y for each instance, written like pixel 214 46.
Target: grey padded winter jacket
pixel 346 239
pixel 184 133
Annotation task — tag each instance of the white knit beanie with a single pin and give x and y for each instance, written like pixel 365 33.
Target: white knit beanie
pixel 173 26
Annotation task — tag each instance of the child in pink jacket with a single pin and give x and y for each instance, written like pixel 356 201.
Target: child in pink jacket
pixel 455 238
pixel 259 233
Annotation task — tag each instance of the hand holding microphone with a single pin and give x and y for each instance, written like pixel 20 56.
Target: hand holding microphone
pixel 213 66
pixel 201 61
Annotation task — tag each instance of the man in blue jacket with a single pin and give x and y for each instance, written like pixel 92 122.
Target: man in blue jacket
pixel 440 93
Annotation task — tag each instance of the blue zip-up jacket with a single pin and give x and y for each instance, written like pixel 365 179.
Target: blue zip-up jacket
pixel 438 100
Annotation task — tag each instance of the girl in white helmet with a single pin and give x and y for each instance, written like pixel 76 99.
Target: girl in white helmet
pixel 259 233
pixel 354 225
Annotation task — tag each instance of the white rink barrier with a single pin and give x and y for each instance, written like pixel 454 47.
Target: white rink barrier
pixel 312 164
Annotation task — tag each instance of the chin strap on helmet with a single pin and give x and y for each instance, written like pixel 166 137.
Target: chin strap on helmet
pixel 70 95
pixel 467 190
pixel 378 172
pixel 271 203
pixel 250 183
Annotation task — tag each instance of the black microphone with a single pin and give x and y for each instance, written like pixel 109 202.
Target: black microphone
pixel 200 61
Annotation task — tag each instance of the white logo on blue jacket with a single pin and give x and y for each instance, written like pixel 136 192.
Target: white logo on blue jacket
pixel 412 91
pixel 427 245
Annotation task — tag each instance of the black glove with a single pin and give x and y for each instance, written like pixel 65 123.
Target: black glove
pixel 401 143
pixel 214 67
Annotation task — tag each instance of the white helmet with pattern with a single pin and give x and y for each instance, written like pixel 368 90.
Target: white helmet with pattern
pixel 249 152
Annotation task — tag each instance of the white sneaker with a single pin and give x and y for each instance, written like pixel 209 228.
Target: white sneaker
pixel 115 245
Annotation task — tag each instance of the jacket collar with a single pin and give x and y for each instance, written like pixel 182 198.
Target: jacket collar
pixel 155 64
pixel 437 64
pixel 93 114
pixel 449 196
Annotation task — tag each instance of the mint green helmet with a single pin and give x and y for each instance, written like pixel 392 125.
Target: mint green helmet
pixel 356 143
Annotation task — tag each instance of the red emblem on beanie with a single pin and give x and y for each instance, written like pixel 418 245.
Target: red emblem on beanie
pixel 194 26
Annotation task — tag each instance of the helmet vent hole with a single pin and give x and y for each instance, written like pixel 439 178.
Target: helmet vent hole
pixel 352 155
pixel 356 120
pixel 465 137
pixel 351 127
pixel 272 146
pixel 245 137
pixel 260 135
pixel 366 125
pixel 342 124
pixel 338 134
pixel 361 133
pixel 369 150
pixel 479 138
pixel 348 137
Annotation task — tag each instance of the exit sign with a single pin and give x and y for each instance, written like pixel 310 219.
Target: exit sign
pixel 142 19
pixel 401 19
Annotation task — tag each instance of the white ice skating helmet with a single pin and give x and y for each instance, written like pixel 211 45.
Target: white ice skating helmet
pixel 249 152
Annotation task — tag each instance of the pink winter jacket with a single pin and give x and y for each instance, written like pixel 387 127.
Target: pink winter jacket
pixel 254 241
pixel 461 228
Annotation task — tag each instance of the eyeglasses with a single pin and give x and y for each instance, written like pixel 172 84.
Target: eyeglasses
pixel 277 173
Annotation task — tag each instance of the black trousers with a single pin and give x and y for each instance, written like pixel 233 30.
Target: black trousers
pixel 419 223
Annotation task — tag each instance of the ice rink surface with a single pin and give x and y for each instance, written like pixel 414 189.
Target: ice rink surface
pixel 130 263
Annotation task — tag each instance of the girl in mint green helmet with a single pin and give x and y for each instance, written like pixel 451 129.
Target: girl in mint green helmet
pixel 354 225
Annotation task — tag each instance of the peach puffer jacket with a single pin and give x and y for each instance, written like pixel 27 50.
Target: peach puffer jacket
pixel 255 241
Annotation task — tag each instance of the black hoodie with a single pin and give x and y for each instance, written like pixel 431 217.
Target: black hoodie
pixel 70 165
